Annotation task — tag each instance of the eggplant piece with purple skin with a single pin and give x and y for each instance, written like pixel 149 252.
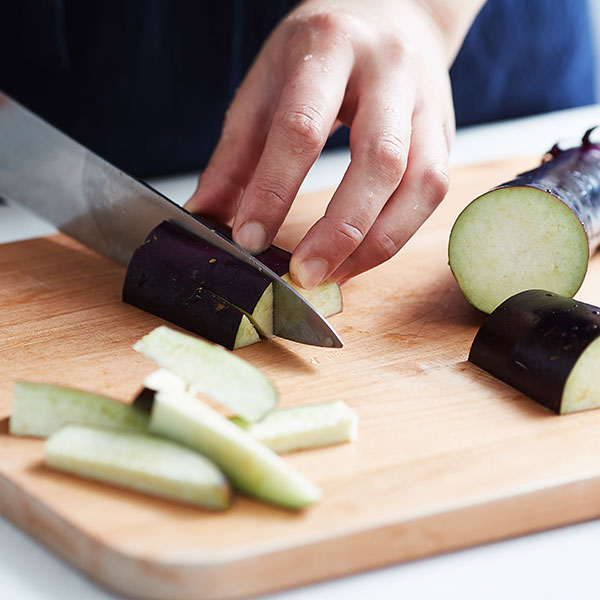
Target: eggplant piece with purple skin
pixel 152 285
pixel 192 259
pixel 177 276
pixel 534 232
pixel 545 345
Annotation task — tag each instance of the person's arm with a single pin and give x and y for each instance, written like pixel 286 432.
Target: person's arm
pixel 378 66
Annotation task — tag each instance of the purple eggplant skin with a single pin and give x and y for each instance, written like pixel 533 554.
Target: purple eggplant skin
pixel 572 176
pixel 533 340
pixel 153 286
pixel 275 258
pixel 144 400
pixel 207 266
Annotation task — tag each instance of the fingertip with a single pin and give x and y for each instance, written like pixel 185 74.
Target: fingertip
pixel 252 236
pixel 309 273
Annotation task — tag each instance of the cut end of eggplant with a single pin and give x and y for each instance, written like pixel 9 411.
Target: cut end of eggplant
pixel 262 315
pixel 582 388
pixel 545 345
pixel 326 297
pixel 514 239
pixel 246 334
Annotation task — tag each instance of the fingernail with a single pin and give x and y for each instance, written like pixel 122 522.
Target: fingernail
pixel 252 236
pixel 311 272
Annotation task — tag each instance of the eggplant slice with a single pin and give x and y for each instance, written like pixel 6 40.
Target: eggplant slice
pixel 545 345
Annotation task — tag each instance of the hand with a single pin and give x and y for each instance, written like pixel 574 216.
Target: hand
pixel 379 67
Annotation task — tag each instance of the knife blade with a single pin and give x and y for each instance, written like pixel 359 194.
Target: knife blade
pixel 94 202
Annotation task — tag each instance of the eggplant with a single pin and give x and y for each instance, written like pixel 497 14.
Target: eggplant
pixel 138 461
pixel 236 283
pixel 152 284
pixel 190 283
pixel 40 409
pixel 545 345
pixel 536 231
pixel 193 365
pixel 302 427
pixel 249 465
pixel 282 430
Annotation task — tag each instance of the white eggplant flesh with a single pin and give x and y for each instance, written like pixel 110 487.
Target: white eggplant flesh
pixel 40 409
pixel 138 461
pixel 302 427
pixel 211 370
pixel 248 464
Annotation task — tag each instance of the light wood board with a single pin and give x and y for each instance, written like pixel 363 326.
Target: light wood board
pixel 447 457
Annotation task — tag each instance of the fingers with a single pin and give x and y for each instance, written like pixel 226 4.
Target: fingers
pixel 379 141
pixel 423 187
pixel 243 137
pixel 318 70
pixel 305 114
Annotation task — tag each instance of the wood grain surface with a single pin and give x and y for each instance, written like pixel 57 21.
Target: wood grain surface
pixel 447 456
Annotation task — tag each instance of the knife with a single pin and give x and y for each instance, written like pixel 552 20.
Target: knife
pixel 87 198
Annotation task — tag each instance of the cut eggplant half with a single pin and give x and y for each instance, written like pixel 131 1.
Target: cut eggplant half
pixel 186 256
pixel 138 461
pixel 249 465
pixel 534 232
pixel 211 370
pixel 545 345
pixel 40 409
pixel 160 290
pixel 301 427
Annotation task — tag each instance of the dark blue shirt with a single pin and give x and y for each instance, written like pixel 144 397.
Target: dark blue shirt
pixel 145 83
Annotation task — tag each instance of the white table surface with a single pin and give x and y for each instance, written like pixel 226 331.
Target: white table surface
pixel 557 564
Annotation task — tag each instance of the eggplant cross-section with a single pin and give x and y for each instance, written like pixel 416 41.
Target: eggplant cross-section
pixel 534 232
pixel 545 345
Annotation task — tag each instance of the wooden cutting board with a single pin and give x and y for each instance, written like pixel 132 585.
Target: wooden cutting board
pixel 447 456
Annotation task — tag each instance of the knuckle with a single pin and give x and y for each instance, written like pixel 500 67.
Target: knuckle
pixel 436 181
pixel 383 246
pixel 329 23
pixel 397 49
pixel 389 155
pixel 322 29
pixel 348 234
pixel 303 127
pixel 270 195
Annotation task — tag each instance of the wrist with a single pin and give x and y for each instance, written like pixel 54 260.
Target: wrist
pixel 452 20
